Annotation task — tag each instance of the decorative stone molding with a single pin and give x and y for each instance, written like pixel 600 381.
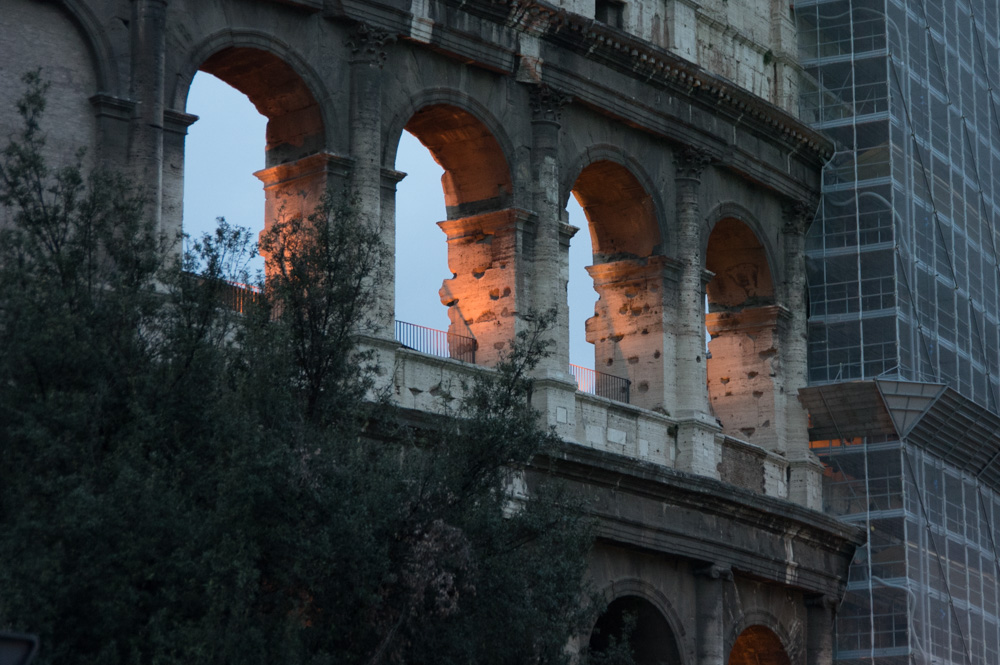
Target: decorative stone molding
pixel 691 162
pixel 547 103
pixel 368 44
pixel 657 65
pixel 798 215
pixel 108 106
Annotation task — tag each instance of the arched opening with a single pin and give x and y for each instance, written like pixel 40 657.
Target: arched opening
pixel 421 254
pixel 292 166
pixel 580 293
pixel 222 151
pixel 758 645
pixel 637 622
pixel 742 322
pixel 627 326
pixel 484 235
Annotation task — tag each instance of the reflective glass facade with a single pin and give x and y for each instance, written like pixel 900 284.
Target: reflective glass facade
pixel 903 252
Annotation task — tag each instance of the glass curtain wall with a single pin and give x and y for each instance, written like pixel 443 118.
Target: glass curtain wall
pixel 903 253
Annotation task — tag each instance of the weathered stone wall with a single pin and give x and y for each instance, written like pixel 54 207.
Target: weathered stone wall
pixel 751 43
pixel 665 130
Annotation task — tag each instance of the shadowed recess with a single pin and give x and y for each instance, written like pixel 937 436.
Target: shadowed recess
pixel 758 645
pixel 620 212
pixel 477 176
pixel 295 126
pixel 651 640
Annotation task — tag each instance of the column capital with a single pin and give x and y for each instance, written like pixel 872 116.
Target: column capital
pixel 798 215
pixel 368 44
pixel 714 571
pixel 547 103
pixel 690 162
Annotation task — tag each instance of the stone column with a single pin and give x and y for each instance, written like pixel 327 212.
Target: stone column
pixel 820 614
pixel 368 56
pixel 549 271
pixel 485 254
pixel 175 126
pixel 691 376
pixel 148 54
pixel 698 449
pixel 709 618
pixel 805 470
pixel 628 329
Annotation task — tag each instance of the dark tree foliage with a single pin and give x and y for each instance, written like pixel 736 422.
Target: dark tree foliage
pixel 180 483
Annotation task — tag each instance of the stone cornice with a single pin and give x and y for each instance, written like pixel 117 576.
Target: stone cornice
pixel 645 61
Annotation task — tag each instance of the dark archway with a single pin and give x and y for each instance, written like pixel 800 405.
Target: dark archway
pixel 758 645
pixel 742 322
pixel 651 639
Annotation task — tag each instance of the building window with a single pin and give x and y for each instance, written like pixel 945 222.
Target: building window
pixel 611 12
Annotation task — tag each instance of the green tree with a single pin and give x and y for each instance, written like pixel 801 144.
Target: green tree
pixel 183 483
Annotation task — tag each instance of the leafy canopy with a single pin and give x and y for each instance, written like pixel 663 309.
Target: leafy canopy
pixel 183 483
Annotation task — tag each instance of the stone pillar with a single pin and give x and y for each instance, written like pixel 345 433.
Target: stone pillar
pixel 367 59
pixel 805 471
pixel 745 376
pixel 820 614
pixel 368 56
pixel 296 189
pixel 485 253
pixel 628 332
pixel 698 450
pixel 175 126
pixel 691 374
pixel 550 260
pixel 148 54
pixel 710 643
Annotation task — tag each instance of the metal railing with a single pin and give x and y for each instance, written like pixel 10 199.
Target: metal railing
pixel 601 384
pixel 238 296
pixel 436 342
pixel 232 295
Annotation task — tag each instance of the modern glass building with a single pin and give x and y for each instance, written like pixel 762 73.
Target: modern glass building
pixel 904 311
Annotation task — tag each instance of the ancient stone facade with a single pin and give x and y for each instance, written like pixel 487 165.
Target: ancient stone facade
pixel 693 186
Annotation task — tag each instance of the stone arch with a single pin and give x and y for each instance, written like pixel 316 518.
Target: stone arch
pixel 657 637
pixel 463 136
pixel 278 82
pixel 485 235
pixel 630 276
pixel 744 323
pixel 759 643
pixel 286 91
pixel 98 43
pixel 729 210
pixel 629 172
pixel 74 70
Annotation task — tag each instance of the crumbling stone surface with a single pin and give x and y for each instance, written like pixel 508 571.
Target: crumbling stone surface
pixel 664 118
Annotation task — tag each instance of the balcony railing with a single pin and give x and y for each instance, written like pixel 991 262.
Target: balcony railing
pixel 232 295
pixel 601 384
pixel 436 342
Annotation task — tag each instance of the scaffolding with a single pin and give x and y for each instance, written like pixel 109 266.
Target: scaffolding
pixel 916 465
pixel 902 256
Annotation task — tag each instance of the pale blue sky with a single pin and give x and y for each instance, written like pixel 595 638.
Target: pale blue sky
pixel 226 145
